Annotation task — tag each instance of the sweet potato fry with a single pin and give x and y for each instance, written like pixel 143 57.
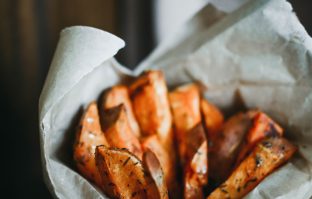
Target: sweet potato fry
pixel 224 148
pixel 152 165
pixel 88 136
pixel 153 144
pixel 117 95
pixel 262 127
pixel 184 102
pixel 123 174
pixel 212 118
pixel 267 156
pixel 117 130
pixel 151 106
pixel 196 167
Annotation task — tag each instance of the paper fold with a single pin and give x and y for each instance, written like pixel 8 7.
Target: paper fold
pixel 79 51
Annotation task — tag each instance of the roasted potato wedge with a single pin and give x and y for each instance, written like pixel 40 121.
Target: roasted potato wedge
pixel 224 148
pixel 262 127
pixel 117 130
pixel 184 103
pixel 196 167
pixel 153 144
pixel 88 136
pixel 264 159
pixel 117 95
pixel 212 118
pixel 123 174
pixel 150 102
pixel 151 106
pixel 152 165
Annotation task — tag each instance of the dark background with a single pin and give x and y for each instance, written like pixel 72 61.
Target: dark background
pixel 29 31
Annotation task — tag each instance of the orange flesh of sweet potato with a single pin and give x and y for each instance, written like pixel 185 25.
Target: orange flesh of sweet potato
pixel 262 127
pixel 117 95
pixel 123 174
pixel 212 118
pixel 117 130
pixel 153 144
pixel 88 136
pixel 267 156
pixel 150 102
pixel 152 165
pixel 149 97
pixel 184 102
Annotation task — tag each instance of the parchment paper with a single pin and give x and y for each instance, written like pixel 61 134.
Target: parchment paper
pixel 258 56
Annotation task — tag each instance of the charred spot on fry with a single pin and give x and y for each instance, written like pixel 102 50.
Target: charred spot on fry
pixel 125 162
pixel 258 160
pixel 249 182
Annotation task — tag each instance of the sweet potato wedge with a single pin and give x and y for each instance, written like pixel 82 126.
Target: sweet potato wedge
pixel 262 127
pixel 88 136
pixel 184 103
pixel 224 148
pixel 117 95
pixel 123 174
pixel 212 118
pixel 149 97
pixel 153 144
pixel 196 167
pixel 152 165
pixel 117 130
pixel 151 106
pixel 267 156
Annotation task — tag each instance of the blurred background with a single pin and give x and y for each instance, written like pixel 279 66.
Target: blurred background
pixel 29 31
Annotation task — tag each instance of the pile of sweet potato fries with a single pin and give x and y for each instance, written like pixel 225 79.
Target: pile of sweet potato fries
pixel 140 141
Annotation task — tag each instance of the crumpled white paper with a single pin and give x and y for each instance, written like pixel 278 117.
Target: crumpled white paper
pixel 259 55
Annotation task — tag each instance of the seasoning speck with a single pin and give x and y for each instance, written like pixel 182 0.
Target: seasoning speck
pixel 126 161
pixel 258 160
pixel 267 144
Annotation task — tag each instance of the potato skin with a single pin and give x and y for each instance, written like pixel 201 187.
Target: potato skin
pixel 266 157
pixel 117 95
pixel 88 136
pixel 117 130
pixel 152 165
pixel 184 103
pixel 212 118
pixel 196 166
pixel 224 148
pixel 262 127
pixel 153 144
pixel 123 174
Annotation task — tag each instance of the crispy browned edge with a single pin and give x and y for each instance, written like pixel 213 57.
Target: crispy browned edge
pixel 262 127
pixel 88 136
pixel 117 130
pixel 266 157
pixel 123 174
pixel 152 165
pixel 117 95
